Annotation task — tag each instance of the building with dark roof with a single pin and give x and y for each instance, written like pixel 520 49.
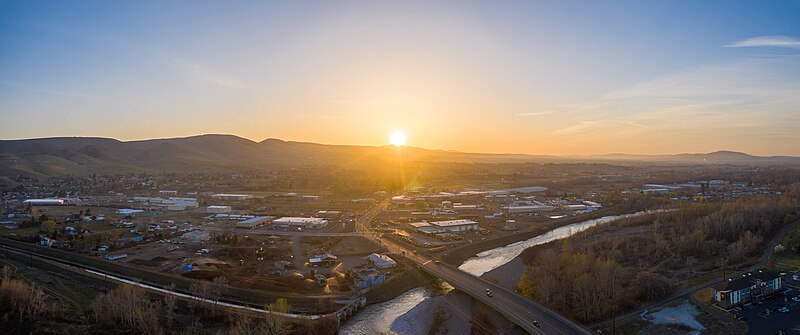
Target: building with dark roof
pixel 750 287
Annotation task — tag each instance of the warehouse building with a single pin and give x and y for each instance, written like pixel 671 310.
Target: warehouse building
pixel 252 222
pixel 298 222
pixel 234 197
pixel 218 209
pixel 529 209
pixel 455 225
pixel 43 202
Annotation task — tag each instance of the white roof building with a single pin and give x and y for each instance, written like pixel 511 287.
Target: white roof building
pixel 43 202
pixel 228 196
pixel 218 209
pixel 298 222
pixel 456 225
pixel 419 224
pixel 252 222
pixel 382 261
pixel 529 209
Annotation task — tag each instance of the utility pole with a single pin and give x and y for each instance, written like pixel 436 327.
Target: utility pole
pixel 613 306
pixel 723 269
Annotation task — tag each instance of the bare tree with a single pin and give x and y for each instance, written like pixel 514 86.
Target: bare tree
pixel 274 322
pixel 170 302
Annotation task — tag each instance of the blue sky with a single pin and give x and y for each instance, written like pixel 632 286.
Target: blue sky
pixel 532 77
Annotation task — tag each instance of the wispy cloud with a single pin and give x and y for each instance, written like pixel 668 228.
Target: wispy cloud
pixel 767 41
pixel 534 113
pixel 41 89
pixel 194 69
pixel 582 126
pixel 751 101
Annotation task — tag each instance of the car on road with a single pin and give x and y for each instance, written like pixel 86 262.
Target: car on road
pixel 783 309
pixel 796 299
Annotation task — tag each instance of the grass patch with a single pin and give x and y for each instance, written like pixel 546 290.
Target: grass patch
pixel 788 260
pixel 703 296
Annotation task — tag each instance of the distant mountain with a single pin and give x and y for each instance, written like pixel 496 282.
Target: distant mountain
pixel 85 155
pixel 717 157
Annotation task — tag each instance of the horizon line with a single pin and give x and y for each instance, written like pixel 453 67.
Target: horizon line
pixel 389 145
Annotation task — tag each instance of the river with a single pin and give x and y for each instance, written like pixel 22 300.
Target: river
pixel 405 315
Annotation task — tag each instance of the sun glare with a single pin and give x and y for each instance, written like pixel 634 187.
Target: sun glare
pixel 397 138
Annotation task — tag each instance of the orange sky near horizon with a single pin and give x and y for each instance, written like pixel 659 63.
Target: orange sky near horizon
pixel 524 77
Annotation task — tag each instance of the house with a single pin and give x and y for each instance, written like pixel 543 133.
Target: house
pixel 323 260
pixel 368 277
pixel 382 261
pixel 323 264
pixel 750 287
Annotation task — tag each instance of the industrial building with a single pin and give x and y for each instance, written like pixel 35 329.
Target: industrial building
pixel 655 191
pixel 234 197
pixel 298 222
pixel 460 207
pixel 218 209
pixel 43 202
pixel 449 226
pixel 171 204
pixel 252 222
pixel 525 209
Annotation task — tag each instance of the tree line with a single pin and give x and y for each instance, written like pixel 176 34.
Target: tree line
pixel 623 264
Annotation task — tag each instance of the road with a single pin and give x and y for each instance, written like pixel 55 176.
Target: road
pixel 520 310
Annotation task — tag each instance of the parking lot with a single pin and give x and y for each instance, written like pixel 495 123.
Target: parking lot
pixel 781 313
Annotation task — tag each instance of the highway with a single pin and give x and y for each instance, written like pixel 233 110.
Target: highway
pixel 307 233
pixel 520 310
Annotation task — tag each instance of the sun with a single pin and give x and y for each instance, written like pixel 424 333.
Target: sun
pixel 398 139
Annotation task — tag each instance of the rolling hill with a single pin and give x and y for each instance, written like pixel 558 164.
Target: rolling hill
pixel 205 153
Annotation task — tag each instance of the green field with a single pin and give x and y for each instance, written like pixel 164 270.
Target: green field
pixel 788 260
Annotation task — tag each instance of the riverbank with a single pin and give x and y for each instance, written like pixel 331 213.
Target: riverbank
pixel 507 275
pixel 460 254
pixel 398 284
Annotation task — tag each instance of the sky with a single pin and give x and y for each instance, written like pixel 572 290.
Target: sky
pixel 556 77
